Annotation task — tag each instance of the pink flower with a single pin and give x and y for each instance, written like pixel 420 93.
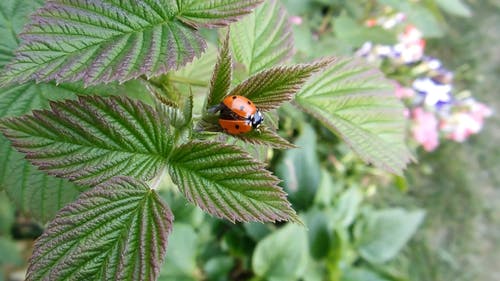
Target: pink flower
pixel 480 111
pixel 412 36
pixel 411 45
pixel 295 20
pixel 425 129
pixel 371 22
pixel 404 92
pixel 461 125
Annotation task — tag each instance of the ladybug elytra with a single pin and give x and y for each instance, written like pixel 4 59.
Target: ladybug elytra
pixel 239 115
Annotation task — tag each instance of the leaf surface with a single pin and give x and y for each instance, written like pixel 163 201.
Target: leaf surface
pixel 270 88
pixel 222 75
pixel 282 255
pixel 116 231
pixel 265 136
pixel 300 169
pixel 355 101
pixel 382 234
pixel 215 13
pixel 263 39
pixel 92 139
pixel 180 263
pixel 13 16
pixel 34 192
pixel 228 183
pixel 103 41
pixel 455 7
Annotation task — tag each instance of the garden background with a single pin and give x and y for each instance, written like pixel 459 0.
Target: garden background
pixel 441 221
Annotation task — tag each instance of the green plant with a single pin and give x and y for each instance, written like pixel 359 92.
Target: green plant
pixel 113 113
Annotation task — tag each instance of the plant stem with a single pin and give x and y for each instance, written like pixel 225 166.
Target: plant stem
pixel 156 181
pixel 326 20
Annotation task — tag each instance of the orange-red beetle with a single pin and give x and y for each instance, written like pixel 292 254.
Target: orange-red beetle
pixel 239 115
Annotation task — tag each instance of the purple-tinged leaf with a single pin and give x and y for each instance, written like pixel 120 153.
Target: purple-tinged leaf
pixel 34 192
pixel 226 182
pixel 115 231
pixel 93 139
pixel 103 41
pixel 267 137
pixel 263 39
pixel 222 75
pixel 270 88
pixel 13 16
pixel 215 13
pixel 355 101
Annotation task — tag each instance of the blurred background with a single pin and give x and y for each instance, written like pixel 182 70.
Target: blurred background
pixel 439 222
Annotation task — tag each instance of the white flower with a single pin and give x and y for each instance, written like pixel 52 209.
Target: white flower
pixel 434 92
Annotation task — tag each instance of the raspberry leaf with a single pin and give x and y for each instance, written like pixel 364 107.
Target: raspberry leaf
pixel 222 75
pixel 115 231
pixel 112 40
pixel 263 39
pixel 265 136
pixel 215 13
pixel 355 101
pixel 93 139
pixel 226 182
pixel 34 192
pixel 270 88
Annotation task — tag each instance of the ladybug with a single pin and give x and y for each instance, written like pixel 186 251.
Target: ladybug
pixel 239 115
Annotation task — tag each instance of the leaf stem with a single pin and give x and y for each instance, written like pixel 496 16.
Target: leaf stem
pixel 187 81
pixel 326 21
pixel 156 181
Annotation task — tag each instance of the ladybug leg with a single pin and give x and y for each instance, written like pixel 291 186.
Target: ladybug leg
pixel 216 108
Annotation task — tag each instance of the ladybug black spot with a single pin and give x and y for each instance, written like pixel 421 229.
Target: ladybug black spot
pixel 234 97
pixel 249 102
pixel 237 127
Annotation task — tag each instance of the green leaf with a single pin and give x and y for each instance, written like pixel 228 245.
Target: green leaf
pixel 361 274
pixel 215 13
pixel 33 191
pixel 300 170
pixel 180 263
pixel 195 77
pixel 355 101
pixel 116 231
pixel 347 206
pixel 382 234
pixel 455 7
pixel 228 183
pixel 6 214
pixel 283 255
pixel 267 137
pixel 36 193
pixel 419 15
pixel 103 41
pixel 270 88
pixel 13 16
pixel 263 39
pixel 222 75
pixel 93 139
pixel 350 31
pixel 327 189
pixel 9 253
pixel 319 233
pixel 218 268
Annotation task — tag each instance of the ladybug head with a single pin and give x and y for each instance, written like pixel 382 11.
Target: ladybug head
pixel 256 119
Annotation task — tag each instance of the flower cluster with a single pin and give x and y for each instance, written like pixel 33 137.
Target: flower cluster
pixel 436 110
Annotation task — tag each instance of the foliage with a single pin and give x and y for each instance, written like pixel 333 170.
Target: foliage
pixel 109 110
